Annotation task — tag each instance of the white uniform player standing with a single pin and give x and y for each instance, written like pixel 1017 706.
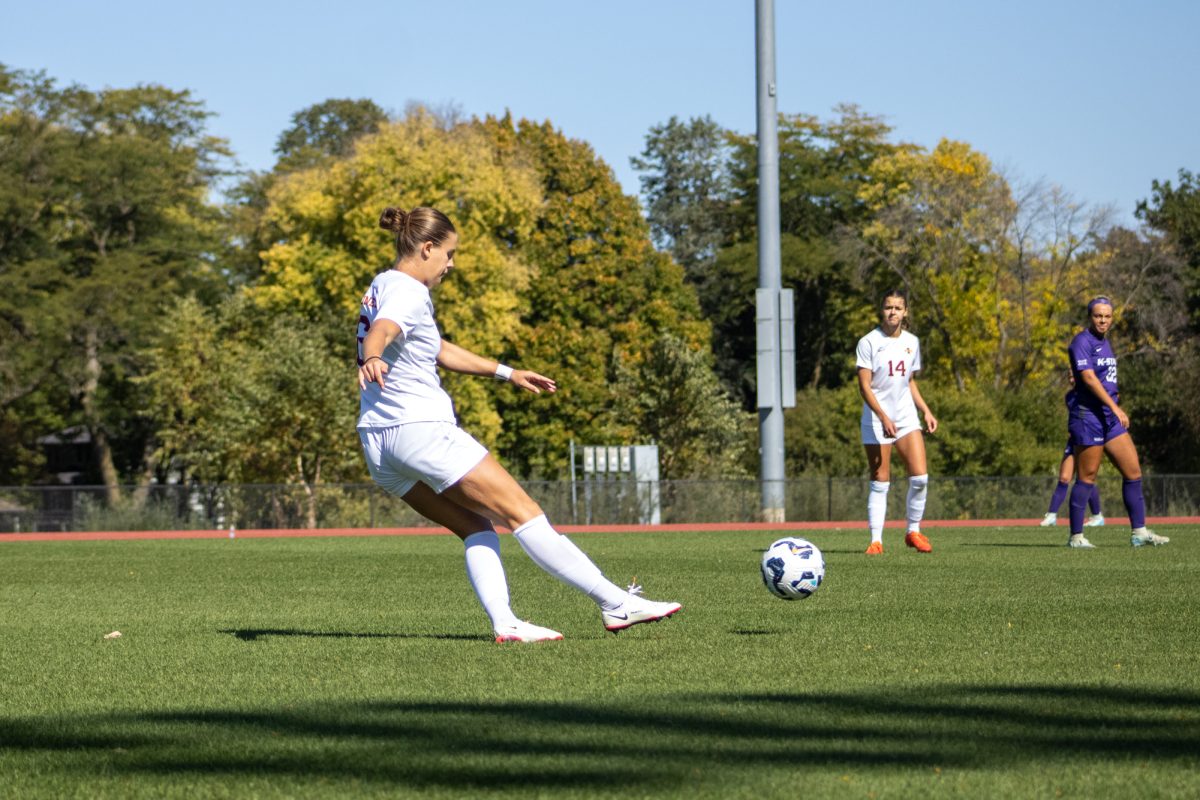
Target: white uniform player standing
pixel 888 359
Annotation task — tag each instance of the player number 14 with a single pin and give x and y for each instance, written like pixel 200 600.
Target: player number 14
pixel 896 368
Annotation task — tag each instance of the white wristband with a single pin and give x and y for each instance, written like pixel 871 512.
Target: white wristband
pixel 503 372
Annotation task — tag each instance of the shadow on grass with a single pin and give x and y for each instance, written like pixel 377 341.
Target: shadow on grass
pixel 254 634
pixel 643 745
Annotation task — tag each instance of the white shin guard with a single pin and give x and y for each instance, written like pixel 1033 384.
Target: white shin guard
pixel 559 556
pixel 486 573
pixel 918 491
pixel 877 509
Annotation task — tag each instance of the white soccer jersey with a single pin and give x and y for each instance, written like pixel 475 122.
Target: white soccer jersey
pixel 892 360
pixel 412 391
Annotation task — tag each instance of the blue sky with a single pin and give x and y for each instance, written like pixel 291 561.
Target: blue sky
pixel 1100 97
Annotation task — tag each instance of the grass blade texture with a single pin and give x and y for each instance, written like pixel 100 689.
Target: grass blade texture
pixel 1001 665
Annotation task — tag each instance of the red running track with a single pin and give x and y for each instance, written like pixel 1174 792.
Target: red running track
pixel 268 533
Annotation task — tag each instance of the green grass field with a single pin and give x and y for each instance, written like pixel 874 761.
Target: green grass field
pixel 1003 665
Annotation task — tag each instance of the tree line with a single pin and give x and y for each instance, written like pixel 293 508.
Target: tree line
pixel 997 272
pixel 195 320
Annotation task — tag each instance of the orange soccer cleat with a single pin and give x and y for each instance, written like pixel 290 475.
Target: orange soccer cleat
pixel 876 549
pixel 917 539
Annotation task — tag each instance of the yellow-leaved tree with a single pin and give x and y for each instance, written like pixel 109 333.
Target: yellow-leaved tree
pixel 939 225
pixel 331 245
pixel 1054 251
pixel 992 277
pixel 555 272
pixel 604 307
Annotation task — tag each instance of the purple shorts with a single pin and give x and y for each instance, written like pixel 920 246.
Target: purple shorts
pixel 1089 428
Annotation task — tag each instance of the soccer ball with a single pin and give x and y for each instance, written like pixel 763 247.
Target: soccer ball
pixel 792 568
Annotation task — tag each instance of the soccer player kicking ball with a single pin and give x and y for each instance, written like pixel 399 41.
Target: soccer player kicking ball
pixel 1098 427
pixel 415 449
pixel 888 360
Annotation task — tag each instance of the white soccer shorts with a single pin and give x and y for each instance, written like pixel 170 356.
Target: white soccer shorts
pixel 437 453
pixel 872 429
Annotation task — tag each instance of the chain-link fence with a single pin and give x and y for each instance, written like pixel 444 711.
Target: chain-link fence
pixel 596 502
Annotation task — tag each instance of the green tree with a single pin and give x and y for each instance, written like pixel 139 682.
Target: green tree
pixel 327 129
pixel 1174 212
pixel 600 296
pixel 822 166
pixel 938 221
pixel 686 184
pixel 982 434
pixel 821 434
pixel 678 402
pixel 1044 261
pixel 329 244
pixel 242 399
pixel 320 133
pixel 190 386
pixel 1156 347
pixel 984 437
pixel 106 215
pixel 30 146
pixel 555 269
pixel 1168 413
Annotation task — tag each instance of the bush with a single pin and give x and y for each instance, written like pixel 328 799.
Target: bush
pixel 980 433
pixel 131 514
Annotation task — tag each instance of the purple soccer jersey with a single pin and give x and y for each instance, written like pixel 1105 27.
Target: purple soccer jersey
pixel 1089 351
pixel 1090 422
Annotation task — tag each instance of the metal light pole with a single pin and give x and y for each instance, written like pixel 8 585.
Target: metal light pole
pixel 774 314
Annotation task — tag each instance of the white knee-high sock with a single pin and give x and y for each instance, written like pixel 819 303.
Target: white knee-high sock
pixel 877 509
pixel 486 574
pixel 918 486
pixel 559 556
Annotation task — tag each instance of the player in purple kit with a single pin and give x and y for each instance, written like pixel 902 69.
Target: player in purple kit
pixel 1098 426
pixel 1066 469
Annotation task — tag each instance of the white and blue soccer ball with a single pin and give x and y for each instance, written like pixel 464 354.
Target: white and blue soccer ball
pixel 793 568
